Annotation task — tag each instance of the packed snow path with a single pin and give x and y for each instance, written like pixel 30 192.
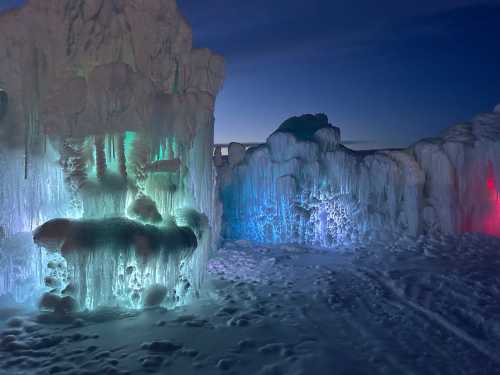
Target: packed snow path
pixel 430 306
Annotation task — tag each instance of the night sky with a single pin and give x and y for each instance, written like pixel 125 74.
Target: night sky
pixel 387 72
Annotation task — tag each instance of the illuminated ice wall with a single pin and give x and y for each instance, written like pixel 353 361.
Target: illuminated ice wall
pixel 106 111
pixel 303 186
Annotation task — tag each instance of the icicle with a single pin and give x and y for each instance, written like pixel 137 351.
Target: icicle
pixel 100 157
pixel 170 150
pixel 122 158
pixel 74 164
pixel 175 86
pixel 26 151
pixel 140 158
pixel 4 102
pixel 27 144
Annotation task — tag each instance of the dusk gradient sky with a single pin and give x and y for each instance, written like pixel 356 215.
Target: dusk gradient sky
pixel 387 72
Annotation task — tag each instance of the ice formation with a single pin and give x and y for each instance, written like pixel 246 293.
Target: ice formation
pixel 114 261
pixel 106 111
pixel 304 186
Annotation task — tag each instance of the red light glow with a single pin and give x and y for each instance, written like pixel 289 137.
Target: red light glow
pixel 492 220
pixel 490 183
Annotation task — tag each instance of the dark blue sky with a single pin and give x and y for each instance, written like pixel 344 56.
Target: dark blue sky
pixel 387 71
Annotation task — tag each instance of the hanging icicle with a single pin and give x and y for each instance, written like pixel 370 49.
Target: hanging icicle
pixel 100 155
pixel 122 158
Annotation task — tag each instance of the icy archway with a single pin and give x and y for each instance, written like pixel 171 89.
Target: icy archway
pixel 110 119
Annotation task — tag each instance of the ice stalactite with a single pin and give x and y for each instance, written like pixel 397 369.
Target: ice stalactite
pixel 25 204
pixel 166 174
pixel 32 139
pixel 113 262
pixel 100 157
pixel 4 103
pixel 122 158
pixel 73 160
pixel 201 184
pixel 139 159
pixel 22 265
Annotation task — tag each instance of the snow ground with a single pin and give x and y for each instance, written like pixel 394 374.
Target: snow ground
pixel 430 306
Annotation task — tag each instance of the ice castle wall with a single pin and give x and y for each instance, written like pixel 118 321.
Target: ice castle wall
pixel 315 191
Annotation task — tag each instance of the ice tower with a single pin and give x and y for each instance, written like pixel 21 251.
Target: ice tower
pixel 106 113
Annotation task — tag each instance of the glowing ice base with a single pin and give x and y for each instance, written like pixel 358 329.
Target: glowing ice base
pixel 117 277
pixel 76 185
pixel 114 261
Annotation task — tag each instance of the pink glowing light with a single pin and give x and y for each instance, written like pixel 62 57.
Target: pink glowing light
pixel 492 220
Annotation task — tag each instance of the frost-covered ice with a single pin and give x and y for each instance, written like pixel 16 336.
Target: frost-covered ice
pixel 106 116
pixel 106 110
pixel 425 306
pixel 303 186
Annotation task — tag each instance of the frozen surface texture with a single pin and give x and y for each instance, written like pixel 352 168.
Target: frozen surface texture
pixel 115 261
pixel 303 186
pixel 106 110
pixel 394 307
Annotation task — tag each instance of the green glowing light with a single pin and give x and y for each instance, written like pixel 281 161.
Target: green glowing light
pixel 110 149
pixel 175 150
pixel 129 140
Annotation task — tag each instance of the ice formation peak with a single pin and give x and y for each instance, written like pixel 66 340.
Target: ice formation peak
pixel 95 66
pixel 304 127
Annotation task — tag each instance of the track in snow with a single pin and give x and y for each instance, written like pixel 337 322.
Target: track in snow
pixel 411 307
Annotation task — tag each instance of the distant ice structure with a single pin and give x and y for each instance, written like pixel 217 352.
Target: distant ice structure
pixel 106 111
pixel 303 186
